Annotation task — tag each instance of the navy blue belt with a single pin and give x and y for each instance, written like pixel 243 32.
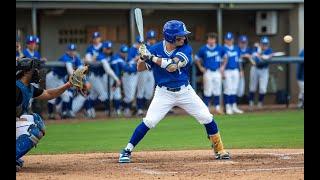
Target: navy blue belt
pixel 177 89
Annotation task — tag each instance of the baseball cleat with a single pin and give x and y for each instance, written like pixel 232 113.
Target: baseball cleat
pixel 125 156
pixel 19 164
pixel 260 105
pixel 140 112
pixel 222 155
pixel 237 110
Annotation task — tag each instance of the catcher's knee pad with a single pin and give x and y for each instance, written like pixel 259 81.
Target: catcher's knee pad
pixel 39 122
pixel 26 142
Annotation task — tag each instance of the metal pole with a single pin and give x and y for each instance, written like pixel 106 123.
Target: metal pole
pixel 132 26
pixel 34 20
pixel 219 24
pixel 288 78
pixel 219 31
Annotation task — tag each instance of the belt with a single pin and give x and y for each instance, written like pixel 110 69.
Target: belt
pixel 177 89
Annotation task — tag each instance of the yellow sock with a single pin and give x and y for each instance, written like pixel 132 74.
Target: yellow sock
pixel 217 143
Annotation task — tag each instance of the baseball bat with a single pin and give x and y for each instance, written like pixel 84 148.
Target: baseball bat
pixel 139 22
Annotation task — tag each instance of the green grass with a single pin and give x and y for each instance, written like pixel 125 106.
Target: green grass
pixel 283 129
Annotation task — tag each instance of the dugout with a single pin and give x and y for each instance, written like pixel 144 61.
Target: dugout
pixel 59 22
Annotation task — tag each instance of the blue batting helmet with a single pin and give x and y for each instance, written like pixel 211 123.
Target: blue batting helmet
pixel 151 34
pixel 243 38
pixel 174 28
pixel 107 44
pixel 228 36
pixel 124 48
pixel 264 40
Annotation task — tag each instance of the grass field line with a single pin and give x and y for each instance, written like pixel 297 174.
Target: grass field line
pixel 154 172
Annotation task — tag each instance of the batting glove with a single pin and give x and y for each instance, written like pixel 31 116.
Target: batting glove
pixel 144 52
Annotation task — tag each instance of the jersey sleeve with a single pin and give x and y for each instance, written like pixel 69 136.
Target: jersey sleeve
pixel 200 54
pixel 185 54
pixel 78 62
pixel 132 54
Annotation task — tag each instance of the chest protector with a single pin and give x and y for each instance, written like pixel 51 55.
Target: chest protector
pixel 27 93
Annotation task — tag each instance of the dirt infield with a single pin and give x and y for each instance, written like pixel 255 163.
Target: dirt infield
pixel 192 164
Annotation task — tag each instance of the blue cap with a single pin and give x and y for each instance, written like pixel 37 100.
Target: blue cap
pixel 107 44
pixel 151 34
pixel 243 38
pixel 72 47
pixel 124 48
pixel 30 39
pixel 138 39
pixel 228 36
pixel 37 39
pixel 96 35
pixel 264 40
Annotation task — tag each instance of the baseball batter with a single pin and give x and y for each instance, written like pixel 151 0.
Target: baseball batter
pixel 170 61
pixel 300 78
pixel 145 79
pixel 259 74
pixel 58 76
pixel 231 73
pixel 208 59
pixel 130 80
pixel 30 127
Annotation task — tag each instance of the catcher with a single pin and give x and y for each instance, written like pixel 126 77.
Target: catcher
pixel 30 127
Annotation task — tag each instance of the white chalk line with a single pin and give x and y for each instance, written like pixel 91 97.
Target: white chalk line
pixel 153 172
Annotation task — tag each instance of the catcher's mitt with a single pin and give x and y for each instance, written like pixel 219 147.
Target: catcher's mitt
pixel 78 77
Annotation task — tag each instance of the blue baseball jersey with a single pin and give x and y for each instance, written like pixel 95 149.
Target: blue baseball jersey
pixel 243 51
pixel 29 54
pixel 66 58
pixel 260 62
pixel 162 76
pixel 211 56
pixel 99 70
pixel 120 65
pixel 300 68
pixel 233 57
pixel 95 51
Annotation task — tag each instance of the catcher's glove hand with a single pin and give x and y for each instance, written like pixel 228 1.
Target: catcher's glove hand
pixel 77 79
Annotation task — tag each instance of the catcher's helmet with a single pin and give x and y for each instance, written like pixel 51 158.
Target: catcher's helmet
pixel 29 64
pixel 151 34
pixel 174 28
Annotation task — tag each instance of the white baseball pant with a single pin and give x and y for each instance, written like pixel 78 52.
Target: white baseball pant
pixel 241 87
pixel 212 83
pixel 129 83
pixel 98 89
pixel 301 89
pixel 259 76
pixel 231 81
pixel 115 93
pixel 165 100
pixel 145 84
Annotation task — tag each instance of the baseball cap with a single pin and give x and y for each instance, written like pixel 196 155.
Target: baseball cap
pixel 72 47
pixel 124 48
pixel 151 34
pixel 243 38
pixel 30 39
pixel 138 39
pixel 107 44
pixel 264 40
pixel 96 35
pixel 228 36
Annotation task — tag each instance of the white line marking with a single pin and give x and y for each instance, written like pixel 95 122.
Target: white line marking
pixel 152 172
pixel 258 169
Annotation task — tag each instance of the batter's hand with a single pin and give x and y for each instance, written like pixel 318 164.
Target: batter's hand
pixel 144 52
